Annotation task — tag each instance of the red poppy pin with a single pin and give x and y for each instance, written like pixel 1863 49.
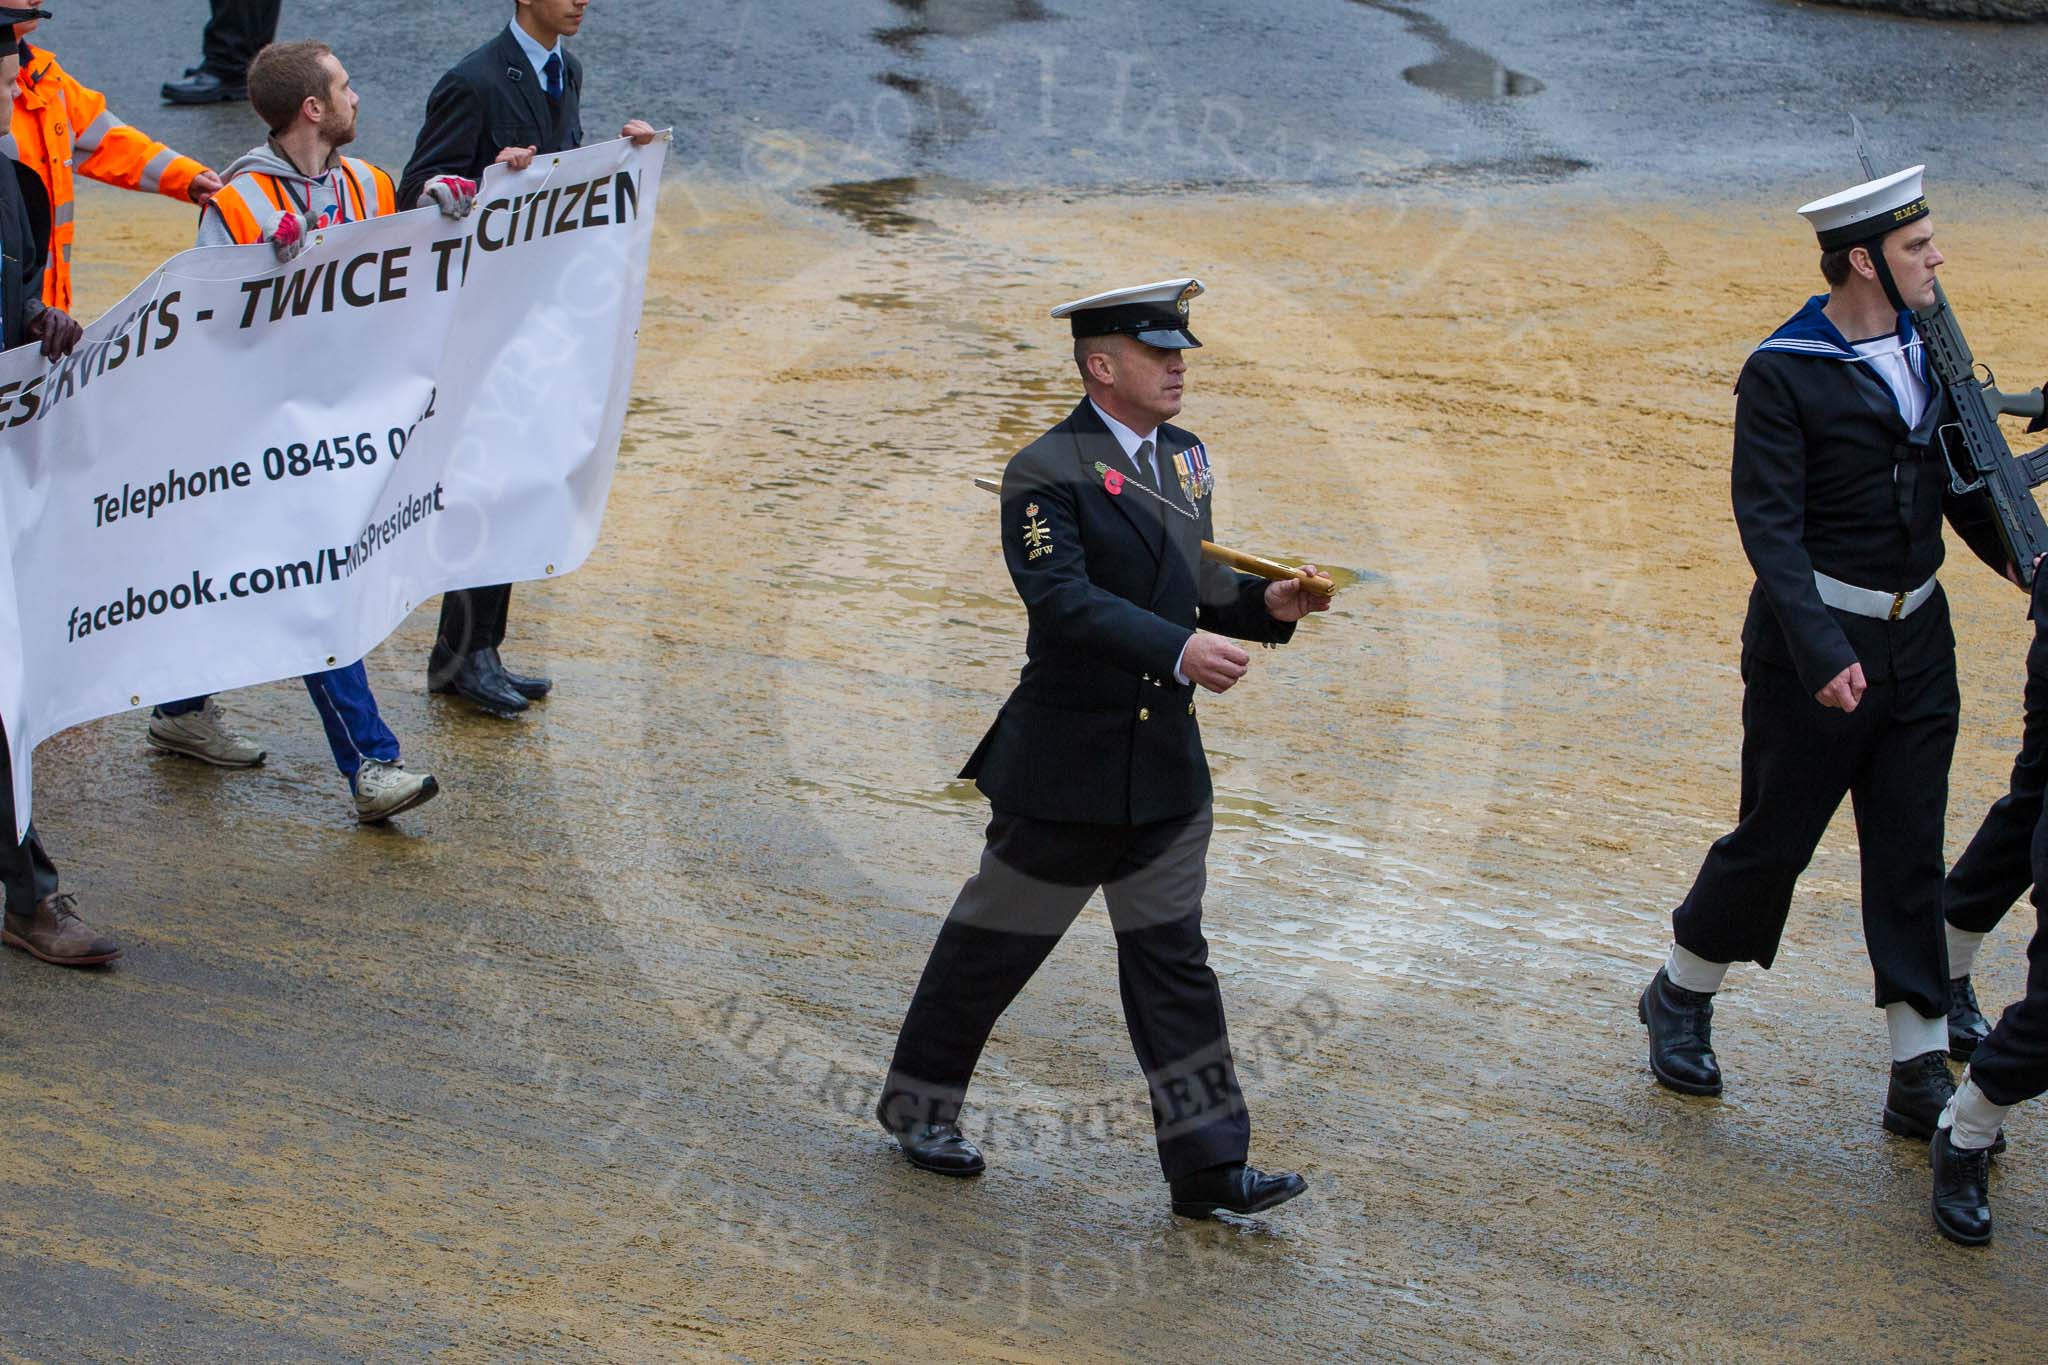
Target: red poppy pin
pixel 1112 479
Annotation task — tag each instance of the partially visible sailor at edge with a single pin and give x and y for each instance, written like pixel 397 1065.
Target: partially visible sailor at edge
pixel 2009 1065
pixel 1094 767
pixel 1848 659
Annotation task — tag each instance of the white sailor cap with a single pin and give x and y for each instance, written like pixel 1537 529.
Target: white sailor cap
pixel 1156 314
pixel 1868 210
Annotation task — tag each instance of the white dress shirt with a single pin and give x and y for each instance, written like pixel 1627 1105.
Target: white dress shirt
pixel 1130 441
pixel 538 55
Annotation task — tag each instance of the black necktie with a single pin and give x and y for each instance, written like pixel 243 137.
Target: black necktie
pixel 553 74
pixel 1143 459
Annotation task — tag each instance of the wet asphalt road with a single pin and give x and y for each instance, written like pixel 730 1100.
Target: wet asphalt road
pixel 1716 95
pixel 560 1068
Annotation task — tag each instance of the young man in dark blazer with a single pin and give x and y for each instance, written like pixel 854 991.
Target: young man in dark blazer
pixel 1848 660
pixel 1095 767
pixel 516 97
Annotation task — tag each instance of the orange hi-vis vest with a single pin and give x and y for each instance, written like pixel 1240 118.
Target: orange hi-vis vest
pixel 251 204
pixel 61 129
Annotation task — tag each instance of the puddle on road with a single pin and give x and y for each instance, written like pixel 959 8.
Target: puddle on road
pixel 956 19
pixel 1461 71
pixel 877 207
pixel 940 115
pixel 1466 79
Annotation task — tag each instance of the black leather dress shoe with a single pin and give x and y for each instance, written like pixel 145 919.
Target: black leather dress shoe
pixel 478 678
pixel 200 86
pixel 525 684
pixel 940 1148
pixel 1967 1025
pixel 1236 1188
pixel 1962 1191
pixel 1681 1025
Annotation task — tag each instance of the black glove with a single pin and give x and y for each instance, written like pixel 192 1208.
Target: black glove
pixel 2041 422
pixel 58 331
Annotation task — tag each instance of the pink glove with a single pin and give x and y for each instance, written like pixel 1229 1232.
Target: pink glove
pixel 288 238
pixel 455 195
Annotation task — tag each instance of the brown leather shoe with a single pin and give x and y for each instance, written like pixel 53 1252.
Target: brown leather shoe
pixel 55 933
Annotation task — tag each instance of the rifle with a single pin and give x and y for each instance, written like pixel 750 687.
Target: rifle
pixel 1972 446
pixel 1245 562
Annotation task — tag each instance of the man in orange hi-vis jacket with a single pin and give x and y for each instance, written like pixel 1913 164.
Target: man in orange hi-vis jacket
pixel 63 129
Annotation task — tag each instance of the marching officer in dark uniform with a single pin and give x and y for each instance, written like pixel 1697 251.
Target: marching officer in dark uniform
pixel 39 919
pixel 238 30
pixel 1848 661
pixel 516 97
pixel 1095 767
pixel 2010 1064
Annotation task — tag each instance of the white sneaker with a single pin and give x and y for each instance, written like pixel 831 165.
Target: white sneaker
pixel 204 735
pixel 384 789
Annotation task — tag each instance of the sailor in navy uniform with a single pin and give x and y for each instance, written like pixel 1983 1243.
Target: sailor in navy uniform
pixel 2010 1064
pixel 1095 767
pixel 1997 866
pixel 1848 661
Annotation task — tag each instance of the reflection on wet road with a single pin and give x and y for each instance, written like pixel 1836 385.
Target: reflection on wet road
pixel 1325 95
pixel 1460 70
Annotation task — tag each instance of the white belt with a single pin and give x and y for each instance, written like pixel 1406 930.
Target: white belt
pixel 1885 606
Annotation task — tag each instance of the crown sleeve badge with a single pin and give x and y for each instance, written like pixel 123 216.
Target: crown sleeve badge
pixel 1037 535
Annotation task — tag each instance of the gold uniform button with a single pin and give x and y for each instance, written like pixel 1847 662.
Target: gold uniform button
pixel 1191 708
pixel 1144 713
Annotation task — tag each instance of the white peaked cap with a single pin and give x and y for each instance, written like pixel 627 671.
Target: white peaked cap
pixel 1156 314
pixel 1864 211
pixel 1165 291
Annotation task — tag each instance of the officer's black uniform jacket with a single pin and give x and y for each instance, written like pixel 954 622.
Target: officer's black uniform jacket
pixel 24 247
pixel 1827 476
pixel 1098 731
pixel 490 100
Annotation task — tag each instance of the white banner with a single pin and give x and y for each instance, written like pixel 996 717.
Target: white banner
pixel 250 471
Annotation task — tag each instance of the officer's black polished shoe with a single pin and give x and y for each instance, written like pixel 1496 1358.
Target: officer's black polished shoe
pixel 477 677
pixel 1962 1191
pixel 200 86
pixel 937 1147
pixel 1681 1024
pixel 1967 1025
pixel 1236 1188
pixel 525 684
pixel 940 1148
